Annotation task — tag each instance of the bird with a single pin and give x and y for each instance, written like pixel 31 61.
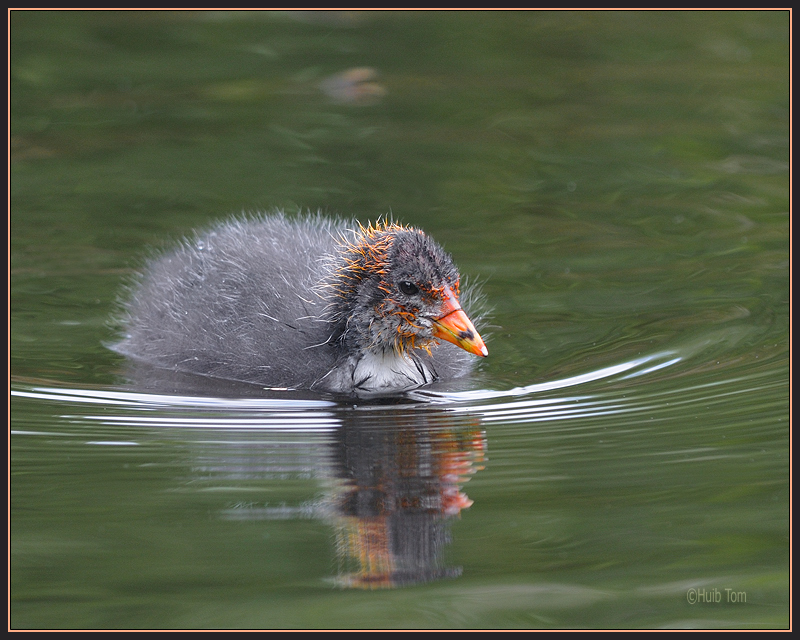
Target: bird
pixel 303 302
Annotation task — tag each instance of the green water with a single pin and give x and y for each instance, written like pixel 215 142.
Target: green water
pixel 619 184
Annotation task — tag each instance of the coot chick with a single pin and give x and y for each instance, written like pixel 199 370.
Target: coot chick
pixel 304 303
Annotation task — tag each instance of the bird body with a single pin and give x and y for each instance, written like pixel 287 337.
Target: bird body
pixel 305 303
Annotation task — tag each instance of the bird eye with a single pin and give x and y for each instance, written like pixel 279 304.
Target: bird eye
pixel 409 288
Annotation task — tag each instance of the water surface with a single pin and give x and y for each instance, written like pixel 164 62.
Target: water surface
pixel 619 184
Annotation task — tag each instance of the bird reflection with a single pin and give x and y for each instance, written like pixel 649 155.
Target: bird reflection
pixel 391 473
pixel 400 487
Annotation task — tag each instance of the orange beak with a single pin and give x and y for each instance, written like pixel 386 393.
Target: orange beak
pixel 454 326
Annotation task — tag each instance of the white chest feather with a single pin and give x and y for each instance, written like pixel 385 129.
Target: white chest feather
pixel 382 372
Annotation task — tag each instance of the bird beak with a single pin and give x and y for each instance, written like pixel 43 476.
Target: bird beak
pixel 454 326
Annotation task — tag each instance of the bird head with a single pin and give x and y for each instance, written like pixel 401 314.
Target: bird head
pixel 392 287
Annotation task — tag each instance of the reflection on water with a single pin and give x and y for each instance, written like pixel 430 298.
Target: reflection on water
pixel 390 480
pixel 401 482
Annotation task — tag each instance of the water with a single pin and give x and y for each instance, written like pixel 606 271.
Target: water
pixel 618 182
